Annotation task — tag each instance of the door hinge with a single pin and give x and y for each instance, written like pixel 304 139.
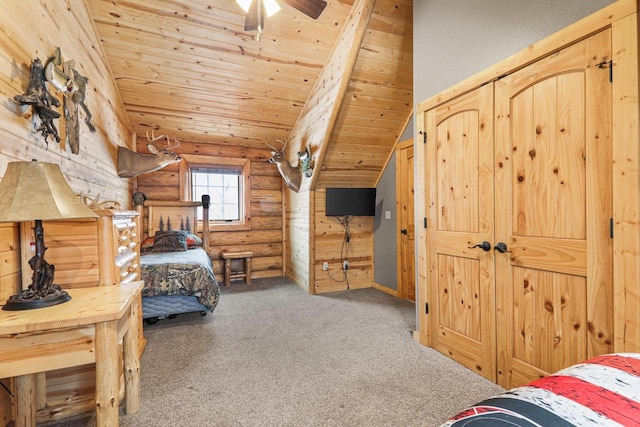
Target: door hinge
pixel 607 64
pixel 426 308
pixel 611 227
pixel 425 222
pixel 424 136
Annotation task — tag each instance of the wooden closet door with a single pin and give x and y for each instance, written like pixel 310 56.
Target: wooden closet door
pixel 553 207
pixel 460 205
pixel 405 213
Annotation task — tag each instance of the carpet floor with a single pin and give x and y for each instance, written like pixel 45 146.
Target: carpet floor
pixel 273 355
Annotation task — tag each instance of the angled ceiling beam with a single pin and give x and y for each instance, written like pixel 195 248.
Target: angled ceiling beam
pixel 318 117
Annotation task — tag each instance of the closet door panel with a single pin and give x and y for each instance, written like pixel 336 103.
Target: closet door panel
pixel 553 205
pixel 461 274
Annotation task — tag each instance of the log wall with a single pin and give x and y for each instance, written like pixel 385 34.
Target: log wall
pixel 264 238
pixel 34 29
pixel 330 246
pixel 10 281
pixel 313 130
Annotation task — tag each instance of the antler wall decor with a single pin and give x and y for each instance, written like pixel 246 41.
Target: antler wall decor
pixel 66 81
pixel 291 174
pixel 132 164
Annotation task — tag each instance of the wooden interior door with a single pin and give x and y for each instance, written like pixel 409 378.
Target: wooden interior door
pixel 459 155
pixel 406 222
pixel 553 207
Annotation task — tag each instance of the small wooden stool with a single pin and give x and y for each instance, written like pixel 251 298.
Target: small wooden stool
pixel 246 274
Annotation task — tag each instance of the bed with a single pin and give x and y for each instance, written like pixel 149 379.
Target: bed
pixel 603 391
pixel 174 264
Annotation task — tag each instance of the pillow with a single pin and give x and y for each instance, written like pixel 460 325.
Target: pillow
pixel 193 241
pixel 170 241
pixel 147 244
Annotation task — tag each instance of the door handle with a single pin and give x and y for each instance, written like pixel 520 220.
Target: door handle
pixel 501 247
pixel 485 246
pixel 404 231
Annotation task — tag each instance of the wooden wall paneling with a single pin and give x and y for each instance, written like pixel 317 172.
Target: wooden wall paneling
pixel 297 244
pixel 93 170
pixel 72 248
pixel 328 238
pixel 10 284
pixel 313 129
pixel 377 102
pixel 10 263
pixel 264 236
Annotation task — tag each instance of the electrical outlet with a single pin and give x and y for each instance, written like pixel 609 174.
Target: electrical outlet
pixel 345 265
pixel 325 266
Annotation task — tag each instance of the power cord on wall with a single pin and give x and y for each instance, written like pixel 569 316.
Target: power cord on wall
pixel 344 250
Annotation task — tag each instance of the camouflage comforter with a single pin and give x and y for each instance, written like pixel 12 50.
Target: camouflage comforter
pixel 180 273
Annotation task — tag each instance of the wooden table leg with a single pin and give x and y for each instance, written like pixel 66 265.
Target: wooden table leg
pixel 227 272
pixel 247 270
pixel 107 376
pixel 25 400
pixel 132 363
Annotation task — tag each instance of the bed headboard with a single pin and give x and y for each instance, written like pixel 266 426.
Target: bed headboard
pixel 163 215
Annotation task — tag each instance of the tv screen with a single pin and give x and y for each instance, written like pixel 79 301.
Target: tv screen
pixel 351 201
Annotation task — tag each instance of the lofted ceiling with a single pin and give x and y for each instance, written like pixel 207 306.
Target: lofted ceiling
pixel 189 67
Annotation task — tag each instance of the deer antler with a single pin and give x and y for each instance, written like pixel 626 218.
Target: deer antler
pixel 284 145
pixel 154 138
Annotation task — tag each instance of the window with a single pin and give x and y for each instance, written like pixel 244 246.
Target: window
pixel 226 181
pixel 225 188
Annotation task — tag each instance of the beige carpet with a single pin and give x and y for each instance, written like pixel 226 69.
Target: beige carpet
pixel 272 355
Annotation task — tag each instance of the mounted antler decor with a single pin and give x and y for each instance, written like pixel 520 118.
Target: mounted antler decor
pixel 66 81
pixel 132 164
pixel 291 174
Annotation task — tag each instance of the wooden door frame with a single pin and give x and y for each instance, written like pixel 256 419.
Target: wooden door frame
pixel 399 147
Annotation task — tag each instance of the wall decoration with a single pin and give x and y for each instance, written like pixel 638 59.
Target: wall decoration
pixel 132 164
pixel 305 162
pixel 41 101
pixel 292 175
pixel 66 80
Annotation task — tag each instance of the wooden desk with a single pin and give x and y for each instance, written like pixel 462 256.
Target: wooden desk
pixel 84 330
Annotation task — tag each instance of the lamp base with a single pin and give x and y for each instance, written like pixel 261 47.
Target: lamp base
pixel 27 300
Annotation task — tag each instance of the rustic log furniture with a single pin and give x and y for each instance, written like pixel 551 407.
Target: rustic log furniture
pixel 230 275
pixel 84 330
pixel 175 282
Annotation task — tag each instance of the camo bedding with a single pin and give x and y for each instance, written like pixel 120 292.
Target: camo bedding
pixel 603 391
pixel 185 273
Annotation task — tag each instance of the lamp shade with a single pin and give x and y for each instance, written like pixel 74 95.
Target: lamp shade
pixel 38 190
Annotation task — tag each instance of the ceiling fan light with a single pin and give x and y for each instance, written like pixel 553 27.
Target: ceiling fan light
pixel 271 6
pixel 245 4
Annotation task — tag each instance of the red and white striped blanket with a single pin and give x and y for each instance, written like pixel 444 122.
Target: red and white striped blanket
pixel 603 391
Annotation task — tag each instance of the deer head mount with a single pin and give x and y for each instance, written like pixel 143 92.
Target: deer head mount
pixel 291 174
pixel 132 164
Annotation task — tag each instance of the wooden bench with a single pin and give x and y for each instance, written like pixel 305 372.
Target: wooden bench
pixel 228 274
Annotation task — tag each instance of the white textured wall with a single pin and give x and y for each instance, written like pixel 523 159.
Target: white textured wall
pixel 454 39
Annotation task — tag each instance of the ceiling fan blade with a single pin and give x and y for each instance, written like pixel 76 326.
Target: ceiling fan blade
pixel 311 8
pixel 255 16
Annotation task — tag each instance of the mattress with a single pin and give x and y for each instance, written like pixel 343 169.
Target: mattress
pixel 185 273
pixel 603 391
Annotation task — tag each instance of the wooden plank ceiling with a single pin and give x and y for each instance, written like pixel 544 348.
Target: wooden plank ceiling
pixel 189 67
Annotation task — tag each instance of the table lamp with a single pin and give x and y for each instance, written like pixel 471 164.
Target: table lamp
pixel 37 191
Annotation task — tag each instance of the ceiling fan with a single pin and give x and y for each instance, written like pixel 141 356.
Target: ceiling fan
pixel 257 9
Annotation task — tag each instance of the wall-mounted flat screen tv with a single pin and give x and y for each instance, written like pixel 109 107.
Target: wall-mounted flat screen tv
pixel 351 202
